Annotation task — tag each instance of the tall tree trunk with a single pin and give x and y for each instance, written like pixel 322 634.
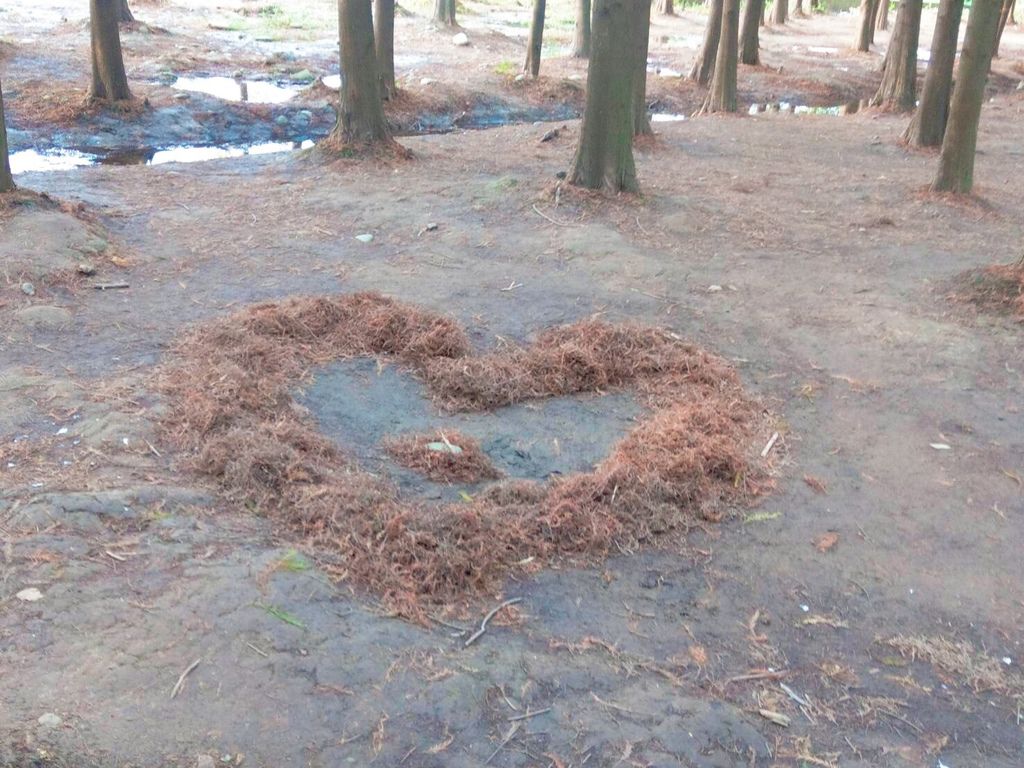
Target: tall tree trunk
pixel 361 112
pixel 125 16
pixel 750 43
pixel 581 32
pixel 536 41
pixel 722 95
pixel 956 161
pixel 779 9
pixel 641 122
pixel 384 44
pixel 882 15
pixel 1004 13
pixel 109 81
pixel 928 124
pixel 604 156
pixel 666 8
pixel 6 180
pixel 798 9
pixel 705 63
pixel 866 29
pixel 444 13
pixel 897 91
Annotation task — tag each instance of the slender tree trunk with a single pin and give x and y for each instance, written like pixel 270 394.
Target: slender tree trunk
pixel 641 122
pixel 126 16
pixel 444 13
pixel 581 32
pixel 866 29
pixel 536 42
pixel 956 161
pixel 779 9
pixel 882 15
pixel 928 124
pixel 361 112
pixel 109 81
pixel 750 43
pixel 722 94
pixel 666 8
pixel 604 156
pixel 1004 13
pixel 897 91
pixel 763 22
pixel 384 43
pixel 798 9
pixel 6 180
pixel 705 63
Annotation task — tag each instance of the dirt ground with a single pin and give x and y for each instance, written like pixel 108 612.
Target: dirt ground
pixel 868 612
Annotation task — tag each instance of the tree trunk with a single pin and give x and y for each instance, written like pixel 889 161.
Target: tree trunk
pixel 705 63
pixel 360 113
pixel 722 95
pixel 641 122
pixel 581 33
pixel 536 41
pixel 956 161
pixel 866 29
pixel 882 15
pixel 126 16
pixel 6 180
pixel 604 156
pixel 749 33
pixel 666 8
pixel 779 9
pixel 109 81
pixel 897 91
pixel 384 40
pixel 928 124
pixel 798 9
pixel 1004 13
pixel 444 13
pixel 763 21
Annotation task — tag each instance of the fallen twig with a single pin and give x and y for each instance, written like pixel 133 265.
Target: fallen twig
pixel 483 624
pixel 181 678
pixel 768 447
pixel 110 286
pixel 553 221
pixel 508 737
pixel 758 674
pixel 528 715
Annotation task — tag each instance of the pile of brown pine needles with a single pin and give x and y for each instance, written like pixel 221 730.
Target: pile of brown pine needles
pixel 445 457
pixel 232 412
pixel 998 288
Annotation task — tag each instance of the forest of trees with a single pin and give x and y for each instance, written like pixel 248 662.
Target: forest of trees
pixel 614 35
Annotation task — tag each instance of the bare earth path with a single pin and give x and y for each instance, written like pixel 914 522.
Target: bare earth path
pixel 803 249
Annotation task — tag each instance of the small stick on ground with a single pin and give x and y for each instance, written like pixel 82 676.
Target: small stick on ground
pixel 483 624
pixel 110 286
pixel 181 678
pixel 553 221
pixel 758 674
pixel 771 443
pixel 508 737
pixel 528 715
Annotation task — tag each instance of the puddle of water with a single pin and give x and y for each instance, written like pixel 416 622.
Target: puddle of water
pixel 229 89
pixel 28 160
pixel 822 49
pixel 848 108
pixel 357 406
pixel 666 117
pixel 31 160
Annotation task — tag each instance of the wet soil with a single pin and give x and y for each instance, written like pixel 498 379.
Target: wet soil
pixel 804 249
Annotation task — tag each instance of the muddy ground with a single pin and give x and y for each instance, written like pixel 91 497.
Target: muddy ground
pixel 803 249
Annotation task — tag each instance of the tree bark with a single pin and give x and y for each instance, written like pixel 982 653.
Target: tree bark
pixel 1004 13
pixel 604 156
pixel 581 33
pixel 125 16
pixel 361 112
pixel 866 29
pixel 6 180
pixel 705 63
pixel 928 124
pixel 722 95
pixel 109 81
pixel 536 41
pixel 798 8
pixel 384 44
pixel 956 161
pixel 666 8
pixel 641 121
pixel 444 13
pixel 779 9
pixel 750 43
pixel 882 15
pixel 897 91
